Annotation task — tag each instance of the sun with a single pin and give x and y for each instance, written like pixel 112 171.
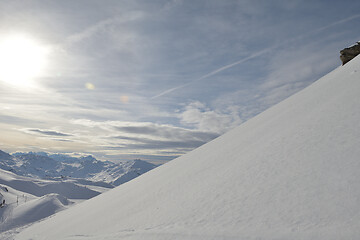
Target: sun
pixel 22 59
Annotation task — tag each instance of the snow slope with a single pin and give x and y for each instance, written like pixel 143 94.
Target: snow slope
pixel 33 210
pixel 29 200
pixel 291 172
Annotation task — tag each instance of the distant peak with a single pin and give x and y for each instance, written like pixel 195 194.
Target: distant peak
pixel 88 158
pixel 141 163
pixel 4 154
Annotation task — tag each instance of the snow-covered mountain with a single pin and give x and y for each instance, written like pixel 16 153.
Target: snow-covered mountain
pixel 51 166
pixel 291 172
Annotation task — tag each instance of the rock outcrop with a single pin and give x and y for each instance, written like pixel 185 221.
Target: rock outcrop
pixel 349 53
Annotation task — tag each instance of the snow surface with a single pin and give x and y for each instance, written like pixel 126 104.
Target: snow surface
pixel 13 215
pixel 29 200
pixel 291 172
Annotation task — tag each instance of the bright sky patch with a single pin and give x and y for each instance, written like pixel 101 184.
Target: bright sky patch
pixel 22 59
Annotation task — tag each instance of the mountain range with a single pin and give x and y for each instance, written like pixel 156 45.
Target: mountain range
pixel 54 166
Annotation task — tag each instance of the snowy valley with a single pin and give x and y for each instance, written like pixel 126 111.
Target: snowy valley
pixel 34 186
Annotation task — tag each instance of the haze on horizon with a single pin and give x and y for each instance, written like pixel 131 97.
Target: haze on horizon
pixel 156 79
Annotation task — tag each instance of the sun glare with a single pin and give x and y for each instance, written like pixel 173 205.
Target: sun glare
pixel 22 59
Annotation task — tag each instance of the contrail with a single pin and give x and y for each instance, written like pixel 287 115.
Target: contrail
pixel 215 71
pixel 334 24
pixel 262 52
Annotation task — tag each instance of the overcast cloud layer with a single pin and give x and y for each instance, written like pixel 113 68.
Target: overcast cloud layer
pixel 156 79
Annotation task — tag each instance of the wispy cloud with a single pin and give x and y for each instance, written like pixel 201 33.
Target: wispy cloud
pixel 62 140
pixel 125 137
pixel 103 25
pixel 146 143
pixel 147 129
pixel 47 132
pixel 167 132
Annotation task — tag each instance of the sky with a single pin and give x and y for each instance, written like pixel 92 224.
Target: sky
pixel 130 79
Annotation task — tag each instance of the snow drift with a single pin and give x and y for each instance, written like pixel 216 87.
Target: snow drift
pixel 291 172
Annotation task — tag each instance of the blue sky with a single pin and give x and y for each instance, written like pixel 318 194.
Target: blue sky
pixel 156 79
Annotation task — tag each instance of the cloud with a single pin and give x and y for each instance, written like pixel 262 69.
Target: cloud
pixel 156 131
pixel 142 137
pixel 203 118
pixel 47 132
pixel 62 140
pixel 202 126
pixel 167 132
pixel 146 143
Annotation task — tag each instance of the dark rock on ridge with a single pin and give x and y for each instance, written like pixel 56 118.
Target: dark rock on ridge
pixel 349 53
